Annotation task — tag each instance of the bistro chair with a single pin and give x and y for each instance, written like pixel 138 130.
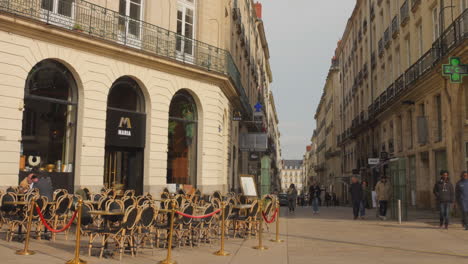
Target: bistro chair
pixel 60 214
pixel 129 201
pixel 9 213
pixel 183 227
pixel 204 227
pixel 247 223
pixel 130 193
pixel 41 202
pixel 123 235
pixel 146 229
pixel 59 193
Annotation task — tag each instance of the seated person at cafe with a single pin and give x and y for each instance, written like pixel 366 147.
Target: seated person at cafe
pixel 44 185
pixel 26 184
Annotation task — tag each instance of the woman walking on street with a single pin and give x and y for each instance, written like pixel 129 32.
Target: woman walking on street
pixel 314 194
pixel 292 197
pixel 444 192
pixel 461 191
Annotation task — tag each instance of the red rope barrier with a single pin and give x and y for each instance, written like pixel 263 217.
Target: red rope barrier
pixel 272 218
pixel 199 216
pixel 38 210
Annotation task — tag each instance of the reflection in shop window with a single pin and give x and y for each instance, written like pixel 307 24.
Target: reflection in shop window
pixel 49 119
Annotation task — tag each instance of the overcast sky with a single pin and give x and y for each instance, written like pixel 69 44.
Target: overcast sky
pixel 302 36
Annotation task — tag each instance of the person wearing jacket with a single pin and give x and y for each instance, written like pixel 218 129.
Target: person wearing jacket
pixel 461 191
pixel 444 192
pixel 292 197
pixel 314 193
pixel 356 196
pixel 383 190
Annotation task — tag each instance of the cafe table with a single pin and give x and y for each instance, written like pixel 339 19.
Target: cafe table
pixel 106 214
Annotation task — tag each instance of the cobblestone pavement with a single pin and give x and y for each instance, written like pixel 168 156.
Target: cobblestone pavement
pixel 329 237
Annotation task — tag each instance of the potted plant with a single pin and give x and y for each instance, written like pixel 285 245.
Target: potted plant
pixel 77 27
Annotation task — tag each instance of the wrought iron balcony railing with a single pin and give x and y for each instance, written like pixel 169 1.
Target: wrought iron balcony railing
pixel 387 39
pixel 102 23
pixel 395 27
pixel 404 13
pixel 381 47
pixel 454 36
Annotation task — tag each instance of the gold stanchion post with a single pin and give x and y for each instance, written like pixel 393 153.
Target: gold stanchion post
pixel 171 231
pixel 26 250
pixel 260 229
pixel 221 252
pixel 77 259
pixel 277 240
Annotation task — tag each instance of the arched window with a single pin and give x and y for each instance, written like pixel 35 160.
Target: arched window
pixel 49 121
pixel 182 141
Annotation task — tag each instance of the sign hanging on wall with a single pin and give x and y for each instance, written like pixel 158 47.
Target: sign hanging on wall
pixel 125 129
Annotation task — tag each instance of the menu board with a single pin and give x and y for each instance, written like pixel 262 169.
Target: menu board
pixel 248 185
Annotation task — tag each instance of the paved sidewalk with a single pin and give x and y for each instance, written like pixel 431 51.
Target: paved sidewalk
pixel 330 237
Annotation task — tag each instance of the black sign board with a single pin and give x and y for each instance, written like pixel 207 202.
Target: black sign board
pixel 125 129
pixel 237 116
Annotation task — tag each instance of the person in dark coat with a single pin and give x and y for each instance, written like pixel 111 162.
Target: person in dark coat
pixel 314 194
pixel 292 197
pixel 356 196
pixel 461 191
pixel 445 194
pixel 44 185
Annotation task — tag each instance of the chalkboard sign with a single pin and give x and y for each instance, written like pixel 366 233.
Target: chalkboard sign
pixel 248 186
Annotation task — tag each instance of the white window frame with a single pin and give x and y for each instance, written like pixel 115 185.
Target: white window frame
pixel 53 16
pixel 435 23
pixel 125 36
pixel 183 5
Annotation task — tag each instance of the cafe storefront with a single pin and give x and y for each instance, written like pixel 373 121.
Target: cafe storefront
pixel 48 134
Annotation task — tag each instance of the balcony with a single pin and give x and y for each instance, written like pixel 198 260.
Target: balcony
pixel 414 5
pixel 90 20
pixel 395 27
pixel 390 92
pixel 387 39
pixel 454 36
pixel 404 13
pixel 381 47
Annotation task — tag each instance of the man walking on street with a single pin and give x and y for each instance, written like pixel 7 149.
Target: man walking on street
pixel 314 194
pixel 461 191
pixel 444 192
pixel 356 196
pixel 383 191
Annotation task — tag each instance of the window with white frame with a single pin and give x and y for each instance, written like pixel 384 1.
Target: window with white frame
pixel 131 15
pixel 185 26
pixel 435 23
pixel 61 7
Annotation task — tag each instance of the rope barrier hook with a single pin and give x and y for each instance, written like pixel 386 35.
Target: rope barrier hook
pixel 277 240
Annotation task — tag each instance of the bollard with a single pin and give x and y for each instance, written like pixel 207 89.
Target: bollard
pixel 260 229
pixel 399 212
pixel 221 252
pixel 171 230
pixel 77 259
pixel 277 240
pixel 26 251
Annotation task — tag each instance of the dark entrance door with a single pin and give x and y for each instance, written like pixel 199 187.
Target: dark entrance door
pixel 125 137
pixel 123 168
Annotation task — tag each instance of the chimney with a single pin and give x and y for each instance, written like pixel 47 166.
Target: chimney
pixel 258 10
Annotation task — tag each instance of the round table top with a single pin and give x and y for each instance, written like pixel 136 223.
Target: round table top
pixel 96 212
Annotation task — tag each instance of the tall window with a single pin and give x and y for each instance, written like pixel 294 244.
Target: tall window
pixel 397 62
pixel 61 7
pixel 133 10
pixel 408 51
pixel 438 106
pixel 185 26
pixel 435 23
pixel 420 36
pixel 410 129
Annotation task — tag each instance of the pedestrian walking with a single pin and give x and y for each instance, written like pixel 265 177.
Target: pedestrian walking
pixel 292 197
pixel 314 193
pixel 327 199
pixel 356 196
pixel 383 191
pixel 444 192
pixel 461 191
pixel 365 199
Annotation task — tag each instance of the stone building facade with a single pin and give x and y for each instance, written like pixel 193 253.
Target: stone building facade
pixel 291 173
pixel 395 104
pixel 130 94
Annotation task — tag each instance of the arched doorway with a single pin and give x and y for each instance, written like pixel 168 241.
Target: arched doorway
pixel 182 142
pixel 49 124
pixel 125 136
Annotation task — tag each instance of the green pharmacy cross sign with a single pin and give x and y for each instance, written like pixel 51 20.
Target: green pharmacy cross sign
pixel 455 70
